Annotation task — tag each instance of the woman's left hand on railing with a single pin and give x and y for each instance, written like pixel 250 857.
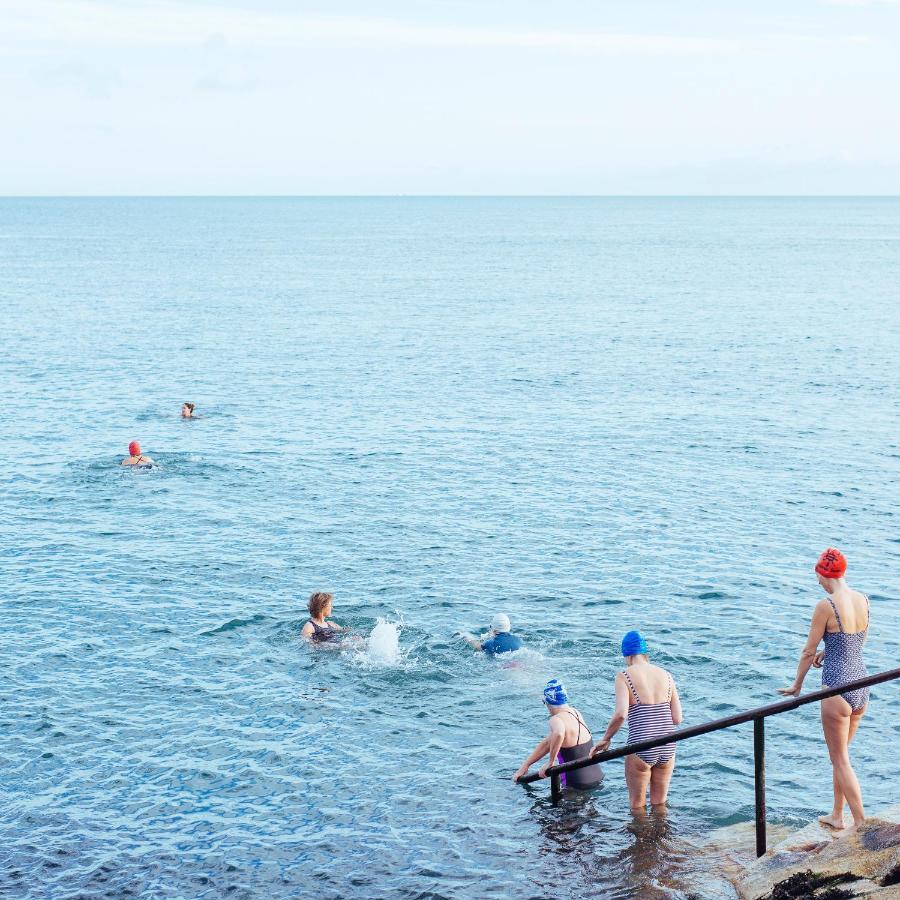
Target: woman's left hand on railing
pixel 601 746
pixel 792 691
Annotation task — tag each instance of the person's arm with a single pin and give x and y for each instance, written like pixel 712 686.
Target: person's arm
pixel 555 740
pixel 538 753
pixel 474 643
pixel 307 630
pixel 337 627
pixel 808 654
pixel 618 717
pixel 675 705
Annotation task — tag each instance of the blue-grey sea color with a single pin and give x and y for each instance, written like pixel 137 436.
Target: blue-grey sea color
pixel 591 414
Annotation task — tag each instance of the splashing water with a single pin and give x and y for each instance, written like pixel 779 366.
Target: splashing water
pixel 384 644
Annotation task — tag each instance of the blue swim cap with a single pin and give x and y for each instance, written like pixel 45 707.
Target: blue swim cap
pixel 633 643
pixel 555 694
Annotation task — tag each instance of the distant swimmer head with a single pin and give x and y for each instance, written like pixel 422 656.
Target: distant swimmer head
pixel 831 564
pixel 555 693
pixel 320 604
pixel 633 643
pixel 134 449
pixel 187 410
pixel 500 623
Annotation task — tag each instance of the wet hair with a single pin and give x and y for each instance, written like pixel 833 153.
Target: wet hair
pixel 318 603
pixel 190 406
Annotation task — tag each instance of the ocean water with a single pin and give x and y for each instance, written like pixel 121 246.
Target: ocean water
pixel 592 414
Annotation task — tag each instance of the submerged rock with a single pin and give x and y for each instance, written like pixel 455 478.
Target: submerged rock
pixel 818 863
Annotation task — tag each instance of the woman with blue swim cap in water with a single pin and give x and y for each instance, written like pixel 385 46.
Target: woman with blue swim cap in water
pixel 647 698
pixel 568 739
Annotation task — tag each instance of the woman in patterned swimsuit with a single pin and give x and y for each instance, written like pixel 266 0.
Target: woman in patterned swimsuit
pixel 646 697
pixel 842 621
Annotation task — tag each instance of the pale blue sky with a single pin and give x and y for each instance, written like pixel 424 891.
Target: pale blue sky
pixel 449 97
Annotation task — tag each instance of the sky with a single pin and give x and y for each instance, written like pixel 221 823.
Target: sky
pixel 238 97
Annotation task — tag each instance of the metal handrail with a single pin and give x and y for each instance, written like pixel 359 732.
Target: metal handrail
pixel 757 716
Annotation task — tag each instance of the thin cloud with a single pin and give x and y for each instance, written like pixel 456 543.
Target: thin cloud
pixel 91 22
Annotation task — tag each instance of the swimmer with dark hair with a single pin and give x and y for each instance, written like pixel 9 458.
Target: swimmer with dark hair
pixel 187 410
pixel 135 457
pixel 317 628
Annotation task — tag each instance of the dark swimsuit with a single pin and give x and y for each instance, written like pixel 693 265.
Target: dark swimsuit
pixel 326 632
pixel 589 776
pixel 843 659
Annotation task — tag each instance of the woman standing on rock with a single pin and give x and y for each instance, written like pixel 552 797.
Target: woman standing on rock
pixel 842 621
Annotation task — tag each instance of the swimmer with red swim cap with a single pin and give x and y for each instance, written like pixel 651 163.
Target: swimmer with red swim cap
pixel 841 621
pixel 135 457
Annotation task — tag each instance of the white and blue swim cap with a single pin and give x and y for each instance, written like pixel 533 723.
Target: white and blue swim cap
pixel 555 693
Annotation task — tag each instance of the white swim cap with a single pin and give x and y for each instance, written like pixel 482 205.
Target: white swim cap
pixel 500 623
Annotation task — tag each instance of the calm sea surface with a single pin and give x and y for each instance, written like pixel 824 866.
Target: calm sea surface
pixel 592 414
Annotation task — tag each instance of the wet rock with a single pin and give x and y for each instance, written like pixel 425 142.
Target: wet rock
pixel 834 864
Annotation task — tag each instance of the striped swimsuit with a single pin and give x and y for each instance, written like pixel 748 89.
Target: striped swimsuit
pixel 650 720
pixel 843 660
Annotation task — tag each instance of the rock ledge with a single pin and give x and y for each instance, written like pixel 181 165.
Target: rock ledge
pixel 820 864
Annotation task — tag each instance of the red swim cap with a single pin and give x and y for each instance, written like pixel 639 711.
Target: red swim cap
pixel 134 448
pixel 832 564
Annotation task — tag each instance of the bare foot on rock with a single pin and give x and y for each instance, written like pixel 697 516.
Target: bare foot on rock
pixel 832 822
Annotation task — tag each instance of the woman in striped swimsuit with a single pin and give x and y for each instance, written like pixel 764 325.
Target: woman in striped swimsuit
pixel 647 697
pixel 841 620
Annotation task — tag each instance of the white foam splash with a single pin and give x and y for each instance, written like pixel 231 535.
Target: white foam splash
pixel 383 647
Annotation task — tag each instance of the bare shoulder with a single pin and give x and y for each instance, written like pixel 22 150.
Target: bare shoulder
pixel 307 628
pixel 557 724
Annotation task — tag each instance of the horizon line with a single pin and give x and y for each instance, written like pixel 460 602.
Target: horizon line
pixel 438 196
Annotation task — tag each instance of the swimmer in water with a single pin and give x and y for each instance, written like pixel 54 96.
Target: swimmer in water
pixel 568 739
pixel 187 410
pixel 500 639
pixel 135 457
pixel 317 628
pixel 646 698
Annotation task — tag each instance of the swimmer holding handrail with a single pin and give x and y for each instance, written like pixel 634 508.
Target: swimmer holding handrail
pixel 647 697
pixel 568 739
pixel 841 620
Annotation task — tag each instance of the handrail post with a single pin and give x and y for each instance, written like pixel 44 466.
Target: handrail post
pixel 555 788
pixel 759 778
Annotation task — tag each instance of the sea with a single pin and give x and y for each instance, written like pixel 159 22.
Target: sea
pixel 591 414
